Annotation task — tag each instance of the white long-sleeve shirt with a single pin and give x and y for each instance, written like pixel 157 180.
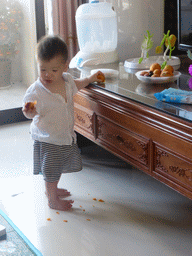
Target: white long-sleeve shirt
pixel 54 122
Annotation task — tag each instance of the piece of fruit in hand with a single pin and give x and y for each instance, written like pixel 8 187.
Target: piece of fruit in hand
pixel 30 105
pixel 101 77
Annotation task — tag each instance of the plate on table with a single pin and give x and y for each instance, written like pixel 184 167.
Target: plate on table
pixel 133 64
pixel 109 73
pixel 157 80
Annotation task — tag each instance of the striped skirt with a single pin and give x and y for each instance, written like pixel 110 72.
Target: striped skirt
pixel 53 160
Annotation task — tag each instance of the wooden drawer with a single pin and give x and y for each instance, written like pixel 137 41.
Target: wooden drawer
pixel 123 141
pixel 173 167
pixel 84 120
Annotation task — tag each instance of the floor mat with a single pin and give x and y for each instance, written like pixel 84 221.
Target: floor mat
pixel 15 243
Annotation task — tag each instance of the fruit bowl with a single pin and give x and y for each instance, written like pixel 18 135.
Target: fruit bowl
pixel 157 80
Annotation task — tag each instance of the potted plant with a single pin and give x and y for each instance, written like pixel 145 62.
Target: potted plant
pixel 10 27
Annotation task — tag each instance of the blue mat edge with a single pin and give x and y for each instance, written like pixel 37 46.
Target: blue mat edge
pixel 38 253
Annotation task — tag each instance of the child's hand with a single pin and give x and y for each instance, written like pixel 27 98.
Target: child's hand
pixel 29 109
pixel 97 77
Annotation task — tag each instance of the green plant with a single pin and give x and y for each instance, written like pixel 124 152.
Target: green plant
pixel 146 45
pixel 169 41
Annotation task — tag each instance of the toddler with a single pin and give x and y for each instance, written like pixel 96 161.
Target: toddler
pixel 49 102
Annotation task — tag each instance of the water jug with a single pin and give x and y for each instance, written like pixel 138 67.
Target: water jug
pixel 96 24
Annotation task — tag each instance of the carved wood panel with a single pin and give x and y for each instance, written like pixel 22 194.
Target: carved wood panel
pixel 173 166
pixel 84 119
pixel 155 142
pixel 123 140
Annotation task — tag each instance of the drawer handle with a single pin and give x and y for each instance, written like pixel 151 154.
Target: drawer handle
pixel 120 139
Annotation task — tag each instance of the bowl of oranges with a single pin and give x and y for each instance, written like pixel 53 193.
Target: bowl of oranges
pixel 156 75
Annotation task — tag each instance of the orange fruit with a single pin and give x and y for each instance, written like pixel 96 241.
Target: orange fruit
pixel 101 77
pixel 166 73
pixel 155 66
pixel 30 105
pixel 144 73
pixel 168 68
pixel 157 72
pixel 158 49
pixel 172 39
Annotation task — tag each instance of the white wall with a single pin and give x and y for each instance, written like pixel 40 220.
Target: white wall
pixel 134 18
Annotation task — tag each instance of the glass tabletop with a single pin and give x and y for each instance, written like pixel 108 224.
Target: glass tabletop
pixel 126 84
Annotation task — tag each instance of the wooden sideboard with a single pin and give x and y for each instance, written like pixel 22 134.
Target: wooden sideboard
pixel 156 142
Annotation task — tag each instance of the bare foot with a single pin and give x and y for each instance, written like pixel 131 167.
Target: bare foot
pixel 63 192
pixel 61 205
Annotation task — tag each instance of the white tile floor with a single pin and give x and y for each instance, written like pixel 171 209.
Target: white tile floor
pixel 140 216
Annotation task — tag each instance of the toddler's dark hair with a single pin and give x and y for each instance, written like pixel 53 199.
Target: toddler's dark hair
pixel 51 46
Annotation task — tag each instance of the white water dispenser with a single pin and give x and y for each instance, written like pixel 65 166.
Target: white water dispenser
pixel 96 24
